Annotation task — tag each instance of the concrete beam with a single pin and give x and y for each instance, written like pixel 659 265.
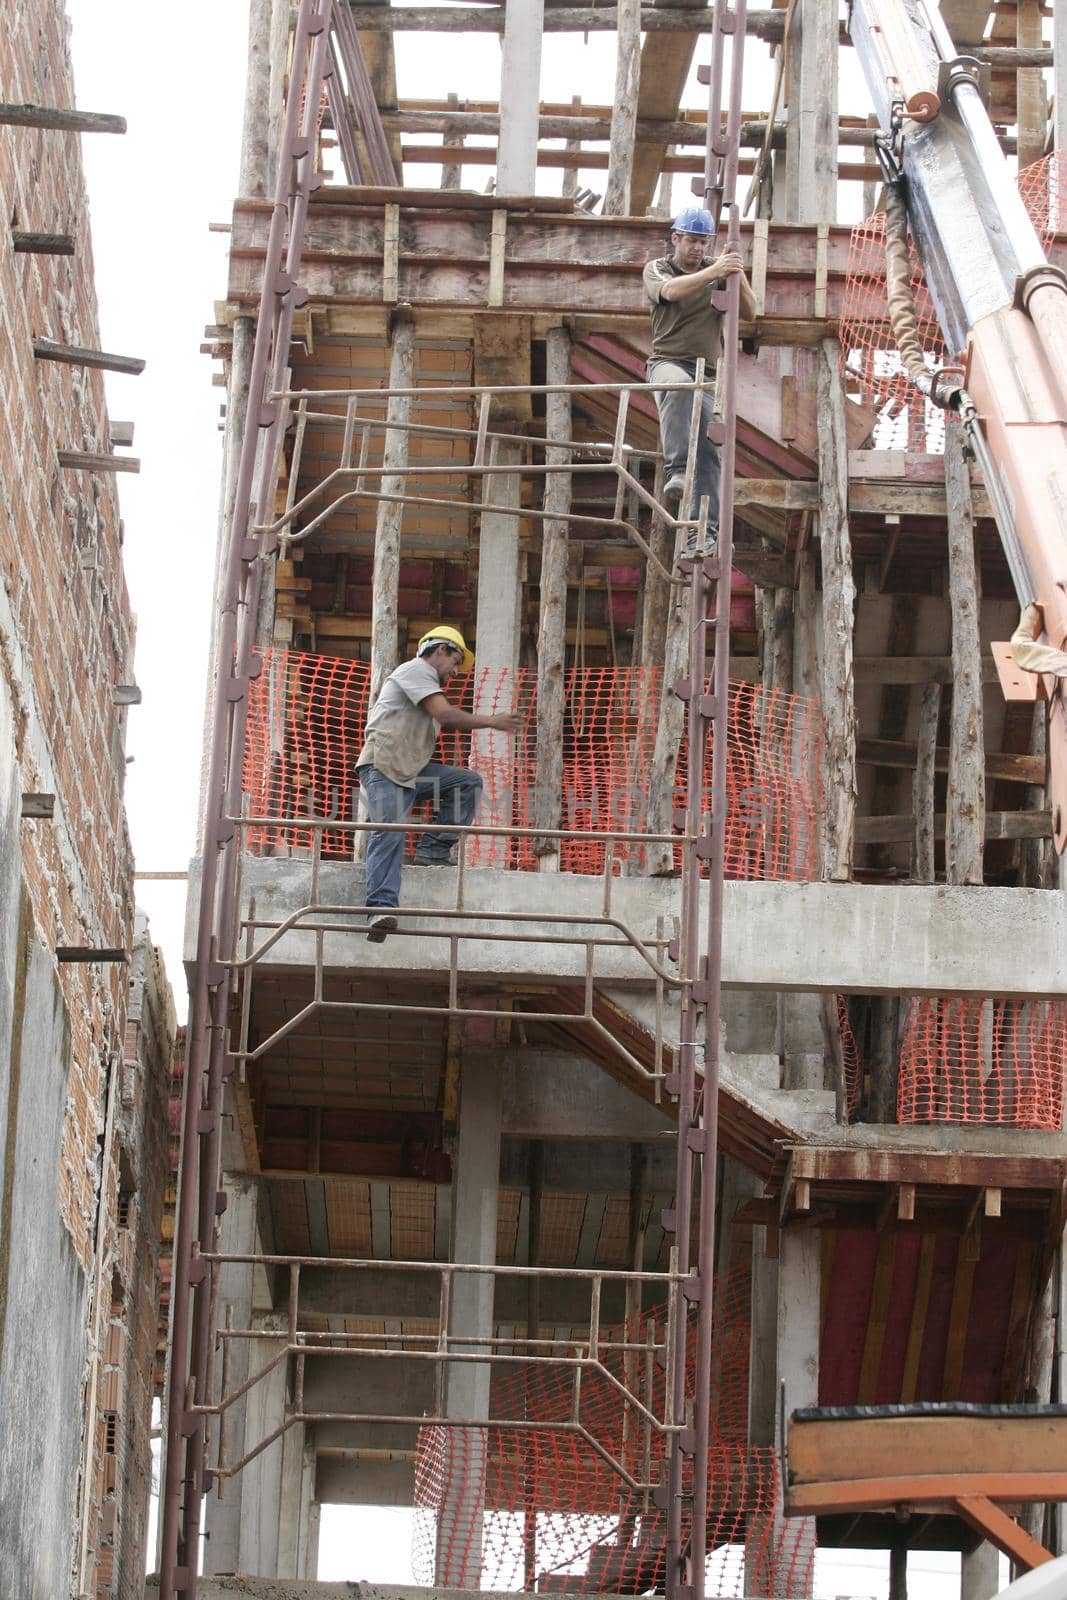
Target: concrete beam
pixel 824 937
pixel 411 1294
pixel 553 1094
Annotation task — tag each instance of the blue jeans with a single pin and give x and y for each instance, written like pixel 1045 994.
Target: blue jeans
pixel 675 407
pixel 455 792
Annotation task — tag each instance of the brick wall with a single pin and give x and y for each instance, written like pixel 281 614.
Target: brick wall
pixel 66 640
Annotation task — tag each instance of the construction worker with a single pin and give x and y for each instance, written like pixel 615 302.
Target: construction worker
pixel 685 326
pixel 396 766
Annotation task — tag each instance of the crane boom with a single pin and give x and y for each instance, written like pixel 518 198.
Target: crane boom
pixel 1001 305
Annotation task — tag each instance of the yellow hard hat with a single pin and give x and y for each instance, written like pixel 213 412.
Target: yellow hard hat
pixel 446 634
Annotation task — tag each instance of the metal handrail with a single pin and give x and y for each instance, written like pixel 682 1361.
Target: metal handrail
pixel 578 1355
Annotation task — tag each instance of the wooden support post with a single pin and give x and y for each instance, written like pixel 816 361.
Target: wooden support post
pixel 256 127
pixel 624 109
pixel 669 731
pixel 885 1020
pixel 66 120
pixel 655 598
pixel 570 174
pixel 838 600
pixel 778 639
pixel 811 137
pixel 805 625
pixel 923 783
pixel 965 838
pixel 1032 106
pixel 520 92
pixel 552 618
pixel 452 171
pixel 1059 83
pixel 385 595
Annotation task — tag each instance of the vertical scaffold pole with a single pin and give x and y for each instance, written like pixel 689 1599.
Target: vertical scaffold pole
pixel 708 714
pixel 185 1479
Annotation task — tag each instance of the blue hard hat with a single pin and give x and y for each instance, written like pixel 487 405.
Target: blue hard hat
pixel 694 220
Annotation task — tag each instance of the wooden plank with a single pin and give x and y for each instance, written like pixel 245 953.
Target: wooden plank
pixel 835 1450
pixel 912 669
pixel 42 244
pixel 1003 1531
pixel 825 1164
pixel 900 827
pixel 1015 1340
pixel 998 764
pixel 917 1330
pixel 75 355
pixel 878 1311
pixel 66 119
pixel 665 63
pixel 958 1322
pixel 87 461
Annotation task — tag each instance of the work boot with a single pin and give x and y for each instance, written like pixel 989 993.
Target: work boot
pixel 426 859
pixel 381 925
pixel 673 490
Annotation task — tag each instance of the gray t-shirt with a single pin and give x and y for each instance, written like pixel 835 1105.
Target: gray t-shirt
pixel 400 736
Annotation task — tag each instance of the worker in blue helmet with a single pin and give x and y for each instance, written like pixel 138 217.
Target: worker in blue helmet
pixel 685 326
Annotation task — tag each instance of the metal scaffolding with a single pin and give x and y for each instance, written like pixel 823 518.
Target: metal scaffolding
pixel 232 943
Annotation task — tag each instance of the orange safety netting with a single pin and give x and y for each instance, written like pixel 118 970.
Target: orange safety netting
pixel 852 1067
pixel 305 727
pixel 999 1062
pixel 506 1508
pixel 874 371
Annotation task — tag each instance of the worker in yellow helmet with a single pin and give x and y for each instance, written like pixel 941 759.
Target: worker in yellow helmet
pixel 396 767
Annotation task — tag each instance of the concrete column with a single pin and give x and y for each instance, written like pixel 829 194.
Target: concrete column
pixel 803 1045
pixel 237 1236
pixel 780 1549
pixel 262 1478
pixel 475 1186
pixel 293 1502
pixel 980 1573
pixel 520 91
pixel 497 649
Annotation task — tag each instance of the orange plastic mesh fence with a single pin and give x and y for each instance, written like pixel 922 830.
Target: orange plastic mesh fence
pixel 305 727
pixel 500 1508
pixel 875 374
pixel 983 1060
pixel 852 1067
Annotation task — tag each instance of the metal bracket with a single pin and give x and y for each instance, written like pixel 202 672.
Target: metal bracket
pixel 1044 276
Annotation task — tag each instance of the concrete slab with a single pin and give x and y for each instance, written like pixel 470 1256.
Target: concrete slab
pixel 849 938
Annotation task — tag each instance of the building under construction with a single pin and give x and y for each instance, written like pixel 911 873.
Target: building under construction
pixel 679 1189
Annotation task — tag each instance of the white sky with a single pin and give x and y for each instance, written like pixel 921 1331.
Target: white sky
pixel 176 73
